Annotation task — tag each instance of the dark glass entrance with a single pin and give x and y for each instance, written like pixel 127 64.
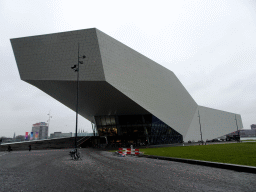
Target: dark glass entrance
pixel 136 129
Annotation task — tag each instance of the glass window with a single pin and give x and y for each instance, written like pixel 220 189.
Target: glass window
pixel 135 119
pixel 128 120
pixel 113 131
pixel 146 119
pixel 122 120
pixel 108 120
pixel 109 131
pixel 137 126
pixel 103 120
pixel 100 131
pixel 148 130
pixel 98 122
pixel 155 120
pixel 112 120
pixel 104 131
pixel 123 125
pixel 124 130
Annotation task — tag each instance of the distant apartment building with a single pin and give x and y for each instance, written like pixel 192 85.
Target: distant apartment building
pixel 253 126
pixel 60 134
pixel 40 131
pixel 84 134
pixel 244 132
pixel 248 133
pixel 6 140
pixel 19 138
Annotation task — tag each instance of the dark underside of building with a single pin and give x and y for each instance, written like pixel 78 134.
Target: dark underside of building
pixel 137 129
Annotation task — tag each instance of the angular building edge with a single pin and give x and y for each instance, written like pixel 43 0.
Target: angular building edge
pixel 128 75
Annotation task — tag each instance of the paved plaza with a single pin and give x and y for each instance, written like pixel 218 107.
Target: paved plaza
pixel 53 170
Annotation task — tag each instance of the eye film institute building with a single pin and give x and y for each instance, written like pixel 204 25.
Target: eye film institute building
pixel 127 96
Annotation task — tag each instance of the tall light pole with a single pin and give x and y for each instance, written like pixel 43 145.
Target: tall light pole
pixel 200 128
pixel 49 121
pixel 76 69
pixel 236 125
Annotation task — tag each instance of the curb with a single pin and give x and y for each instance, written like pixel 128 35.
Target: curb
pixel 234 167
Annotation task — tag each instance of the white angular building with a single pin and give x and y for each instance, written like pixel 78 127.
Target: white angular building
pixel 128 96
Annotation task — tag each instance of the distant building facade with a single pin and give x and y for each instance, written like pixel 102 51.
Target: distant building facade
pixel 244 132
pixel 19 138
pixel 6 140
pixel 60 134
pixel 40 129
pixel 253 126
pixel 84 134
pixel 248 133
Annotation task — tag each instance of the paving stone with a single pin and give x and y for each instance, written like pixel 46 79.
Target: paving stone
pixel 53 170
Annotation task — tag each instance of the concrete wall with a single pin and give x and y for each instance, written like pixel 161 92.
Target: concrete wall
pixel 42 144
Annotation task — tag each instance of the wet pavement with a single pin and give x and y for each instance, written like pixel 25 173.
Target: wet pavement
pixel 53 170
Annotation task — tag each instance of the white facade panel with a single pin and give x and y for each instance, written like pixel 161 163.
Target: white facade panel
pixel 50 57
pixel 150 85
pixel 193 133
pixel 214 123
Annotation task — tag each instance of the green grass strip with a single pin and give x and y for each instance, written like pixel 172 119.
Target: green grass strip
pixel 250 140
pixel 235 153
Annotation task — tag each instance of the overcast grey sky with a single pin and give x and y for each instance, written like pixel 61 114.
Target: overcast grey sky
pixel 209 44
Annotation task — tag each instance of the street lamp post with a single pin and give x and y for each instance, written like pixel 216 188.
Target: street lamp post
pixel 200 128
pixel 76 69
pixel 49 114
pixel 236 126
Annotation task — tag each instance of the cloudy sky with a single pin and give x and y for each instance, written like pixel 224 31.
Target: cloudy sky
pixel 209 44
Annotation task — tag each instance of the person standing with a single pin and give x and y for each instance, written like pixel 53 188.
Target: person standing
pixel 9 148
pixel 29 147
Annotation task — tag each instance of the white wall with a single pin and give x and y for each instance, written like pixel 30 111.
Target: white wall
pixel 214 123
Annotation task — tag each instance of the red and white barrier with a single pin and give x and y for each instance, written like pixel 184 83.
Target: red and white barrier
pixel 129 151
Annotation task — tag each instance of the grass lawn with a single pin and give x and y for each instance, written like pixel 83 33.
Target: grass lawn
pixel 235 153
pixel 249 140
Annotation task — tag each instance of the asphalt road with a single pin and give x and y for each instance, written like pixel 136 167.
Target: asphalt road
pixel 53 170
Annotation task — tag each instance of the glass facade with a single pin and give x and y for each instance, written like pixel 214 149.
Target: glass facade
pixel 136 129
